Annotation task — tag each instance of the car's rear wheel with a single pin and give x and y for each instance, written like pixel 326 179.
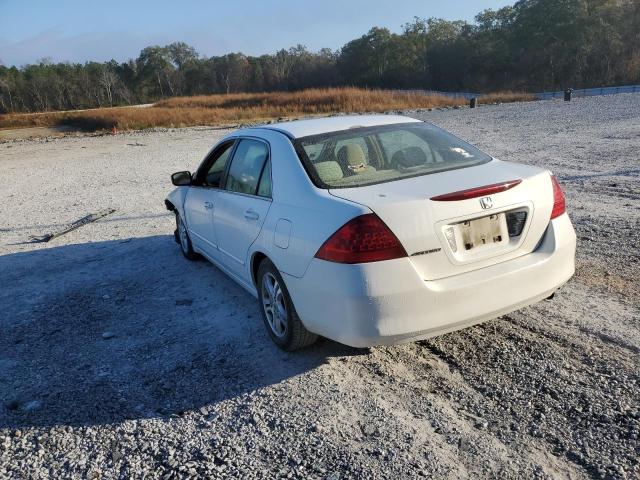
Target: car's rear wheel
pixel 182 237
pixel 279 315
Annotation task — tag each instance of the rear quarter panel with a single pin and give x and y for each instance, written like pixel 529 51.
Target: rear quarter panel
pixel 313 213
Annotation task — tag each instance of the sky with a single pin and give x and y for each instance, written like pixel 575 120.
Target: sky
pixel 83 30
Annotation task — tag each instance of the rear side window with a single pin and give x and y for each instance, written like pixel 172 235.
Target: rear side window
pixel 246 166
pixel 370 155
pixel 264 187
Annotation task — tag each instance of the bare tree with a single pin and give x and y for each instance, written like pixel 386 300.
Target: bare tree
pixel 108 80
pixel 4 85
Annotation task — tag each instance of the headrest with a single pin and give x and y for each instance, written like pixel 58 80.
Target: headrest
pixel 352 156
pixel 329 171
pixel 409 157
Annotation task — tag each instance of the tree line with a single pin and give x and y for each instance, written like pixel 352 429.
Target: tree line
pixel 533 45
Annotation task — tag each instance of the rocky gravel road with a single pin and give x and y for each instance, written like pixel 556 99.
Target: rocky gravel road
pixel 120 359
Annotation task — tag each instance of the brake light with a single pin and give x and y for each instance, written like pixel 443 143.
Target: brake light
pixel 361 240
pixel 559 204
pixel 477 191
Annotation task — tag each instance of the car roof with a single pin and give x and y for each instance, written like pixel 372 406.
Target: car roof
pixel 317 126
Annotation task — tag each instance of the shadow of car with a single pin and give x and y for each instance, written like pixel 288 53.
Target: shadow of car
pixel 101 332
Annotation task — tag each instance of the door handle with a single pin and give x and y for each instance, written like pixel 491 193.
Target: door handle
pixel 251 215
pixel 208 205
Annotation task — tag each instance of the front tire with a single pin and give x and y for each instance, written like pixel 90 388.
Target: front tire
pixel 182 236
pixel 280 317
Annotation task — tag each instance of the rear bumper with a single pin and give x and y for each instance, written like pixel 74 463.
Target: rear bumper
pixel 388 302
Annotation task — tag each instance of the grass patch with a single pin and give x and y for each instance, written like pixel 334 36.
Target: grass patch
pixel 243 107
pixel 506 97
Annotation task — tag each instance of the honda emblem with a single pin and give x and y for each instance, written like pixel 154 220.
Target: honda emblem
pixel 486 203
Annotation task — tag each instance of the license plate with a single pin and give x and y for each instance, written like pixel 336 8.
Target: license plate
pixel 482 231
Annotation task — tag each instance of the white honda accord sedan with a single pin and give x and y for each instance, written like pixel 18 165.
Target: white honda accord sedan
pixel 373 229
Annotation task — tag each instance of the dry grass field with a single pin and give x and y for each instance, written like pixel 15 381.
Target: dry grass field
pixel 237 108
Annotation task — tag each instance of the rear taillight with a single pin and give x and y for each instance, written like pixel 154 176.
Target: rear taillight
pixel 361 240
pixel 559 206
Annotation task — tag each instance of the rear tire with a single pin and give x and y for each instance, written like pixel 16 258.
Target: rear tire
pixel 182 236
pixel 280 317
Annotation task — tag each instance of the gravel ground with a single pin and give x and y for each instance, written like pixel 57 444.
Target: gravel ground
pixel 120 359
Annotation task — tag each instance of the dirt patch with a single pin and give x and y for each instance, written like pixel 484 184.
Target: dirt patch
pixel 30 132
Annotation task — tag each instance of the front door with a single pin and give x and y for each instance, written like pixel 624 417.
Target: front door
pixel 202 197
pixel 243 203
pixel 198 207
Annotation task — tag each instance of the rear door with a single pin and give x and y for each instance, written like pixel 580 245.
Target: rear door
pixel 202 197
pixel 243 203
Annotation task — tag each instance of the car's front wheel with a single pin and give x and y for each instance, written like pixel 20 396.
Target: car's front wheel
pixel 182 237
pixel 279 315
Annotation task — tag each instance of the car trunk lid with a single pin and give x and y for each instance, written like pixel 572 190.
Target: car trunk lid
pixel 453 236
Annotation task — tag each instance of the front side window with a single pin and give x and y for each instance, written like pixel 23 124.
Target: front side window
pixel 215 172
pixel 370 155
pixel 246 166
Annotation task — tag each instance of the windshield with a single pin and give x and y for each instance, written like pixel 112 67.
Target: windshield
pixel 369 155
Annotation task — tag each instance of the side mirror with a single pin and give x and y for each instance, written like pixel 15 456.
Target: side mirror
pixel 181 179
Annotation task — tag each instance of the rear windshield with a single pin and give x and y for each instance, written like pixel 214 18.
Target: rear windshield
pixel 369 155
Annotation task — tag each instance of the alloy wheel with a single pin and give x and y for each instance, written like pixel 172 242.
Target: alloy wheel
pixel 274 306
pixel 184 237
